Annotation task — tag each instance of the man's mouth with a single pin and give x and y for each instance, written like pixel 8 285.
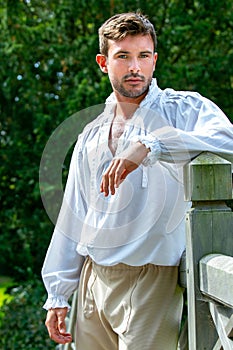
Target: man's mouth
pixel 133 80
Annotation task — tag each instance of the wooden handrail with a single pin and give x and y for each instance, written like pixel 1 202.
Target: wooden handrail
pixel 209 223
pixel 216 278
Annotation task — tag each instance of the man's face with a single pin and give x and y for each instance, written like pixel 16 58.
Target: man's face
pixel 130 65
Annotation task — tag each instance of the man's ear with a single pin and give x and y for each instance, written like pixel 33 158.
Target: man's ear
pixel 102 62
pixel 155 59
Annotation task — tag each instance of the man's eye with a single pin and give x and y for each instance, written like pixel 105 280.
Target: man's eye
pixel 144 56
pixel 122 56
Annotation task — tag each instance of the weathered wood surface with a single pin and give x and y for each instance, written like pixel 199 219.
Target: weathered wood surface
pixel 223 320
pixel 216 278
pixel 208 230
pixel 208 178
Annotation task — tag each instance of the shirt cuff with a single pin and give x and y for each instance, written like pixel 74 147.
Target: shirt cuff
pixel 151 143
pixel 56 302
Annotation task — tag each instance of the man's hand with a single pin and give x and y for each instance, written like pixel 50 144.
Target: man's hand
pixel 121 166
pixel 55 323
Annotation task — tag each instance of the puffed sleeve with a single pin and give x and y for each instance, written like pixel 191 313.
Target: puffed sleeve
pixel 63 264
pixel 61 270
pixel 197 125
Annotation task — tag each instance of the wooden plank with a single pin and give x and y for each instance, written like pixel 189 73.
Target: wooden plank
pixel 209 225
pixel 203 237
pixel 229 332
pixel 223 233
pixel 218 315
pixel 201 329
pixel 217 267
pixel 208 178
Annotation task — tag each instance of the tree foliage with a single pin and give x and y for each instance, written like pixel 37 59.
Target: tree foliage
pixel 22 320
pixel 48 72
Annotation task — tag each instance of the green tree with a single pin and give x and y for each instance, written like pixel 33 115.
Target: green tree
pixel 48 72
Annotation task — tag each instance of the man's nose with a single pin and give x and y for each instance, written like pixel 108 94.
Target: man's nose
pixel 134 66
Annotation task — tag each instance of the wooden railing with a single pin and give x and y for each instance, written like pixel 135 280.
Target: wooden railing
pixel 206 268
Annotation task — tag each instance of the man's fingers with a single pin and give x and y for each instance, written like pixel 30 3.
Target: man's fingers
pixel 121 167
pixel 55 323
pixel 61 322
pixel 114 175
pixel 58 337
pixel 108 179
pixel 123 176
pixel 104 184
pixel 120 173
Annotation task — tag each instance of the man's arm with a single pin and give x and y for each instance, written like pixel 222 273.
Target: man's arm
pixel 170 145
pixel 60 273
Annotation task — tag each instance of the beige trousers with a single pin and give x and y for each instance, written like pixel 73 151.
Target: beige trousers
pixel 128 308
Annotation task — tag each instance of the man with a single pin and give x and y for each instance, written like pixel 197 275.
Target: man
pixel 121 224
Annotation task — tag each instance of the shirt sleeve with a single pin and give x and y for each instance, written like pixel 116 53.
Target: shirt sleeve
pixel 62 265
pixel 198 125
pixel 61 270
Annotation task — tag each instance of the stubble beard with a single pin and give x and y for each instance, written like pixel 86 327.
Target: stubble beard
pixel 131 92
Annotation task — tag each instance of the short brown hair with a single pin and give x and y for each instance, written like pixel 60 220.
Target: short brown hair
pixel 119 26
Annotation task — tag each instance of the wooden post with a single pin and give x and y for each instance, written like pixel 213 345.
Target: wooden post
pixel 209 225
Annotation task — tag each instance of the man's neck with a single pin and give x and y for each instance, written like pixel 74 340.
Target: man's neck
pixel 125 110
pixel 126 106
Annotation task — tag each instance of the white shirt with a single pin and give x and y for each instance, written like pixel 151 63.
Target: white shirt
pixel 144 221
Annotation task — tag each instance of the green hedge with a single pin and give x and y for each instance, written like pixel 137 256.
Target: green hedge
pixel 22 319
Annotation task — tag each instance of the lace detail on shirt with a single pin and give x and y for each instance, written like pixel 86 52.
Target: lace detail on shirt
pixel 56 302
pixel 151 143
